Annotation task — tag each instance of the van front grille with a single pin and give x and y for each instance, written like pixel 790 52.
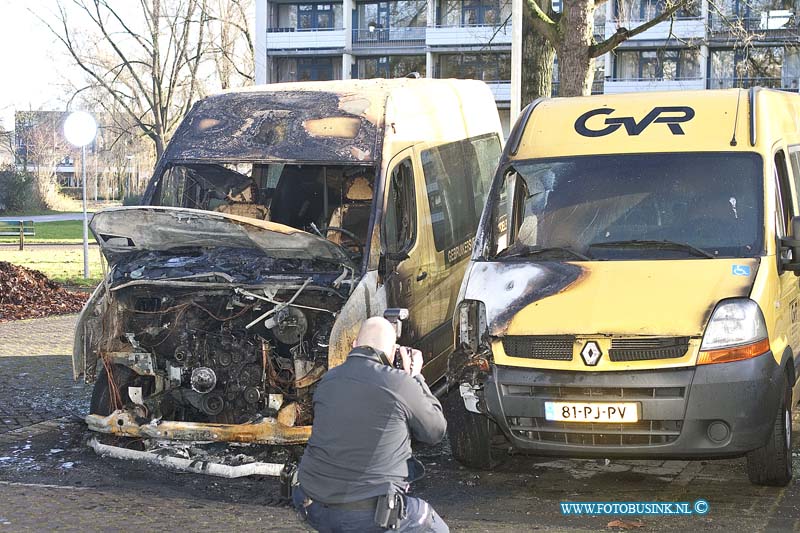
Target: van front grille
pixel 646 349
pixel 550 347
pixel 556 392
pixel 642 433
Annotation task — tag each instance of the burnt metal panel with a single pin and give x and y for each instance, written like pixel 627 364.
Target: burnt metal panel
pixel 275 125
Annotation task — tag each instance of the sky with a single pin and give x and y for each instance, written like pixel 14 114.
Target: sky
pixel 33 64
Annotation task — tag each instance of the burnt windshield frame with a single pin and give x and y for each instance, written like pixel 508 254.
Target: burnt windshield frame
pixel 153 193
pixel 494 229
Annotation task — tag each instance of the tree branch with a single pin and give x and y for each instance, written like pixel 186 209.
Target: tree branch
pixel 623 34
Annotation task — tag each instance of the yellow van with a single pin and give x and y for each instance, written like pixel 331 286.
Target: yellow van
pixel 278 219
pixel 632 290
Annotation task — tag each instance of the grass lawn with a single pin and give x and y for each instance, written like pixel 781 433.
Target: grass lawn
pixel 35 212
pixel 66 231
pixel 64 266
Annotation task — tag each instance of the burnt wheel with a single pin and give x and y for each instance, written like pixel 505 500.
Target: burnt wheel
pixel 772 463
pixel 124 378
pixel 475 440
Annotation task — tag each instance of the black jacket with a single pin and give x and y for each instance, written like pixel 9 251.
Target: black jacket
pixel 365 414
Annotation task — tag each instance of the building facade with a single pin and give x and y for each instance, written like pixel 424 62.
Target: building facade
pixel 708 45
pixel 352 39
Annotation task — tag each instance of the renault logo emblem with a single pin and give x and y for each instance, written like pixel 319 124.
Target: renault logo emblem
pixel 591 353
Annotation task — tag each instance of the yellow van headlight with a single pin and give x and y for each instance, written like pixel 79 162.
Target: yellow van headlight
pixel 735 331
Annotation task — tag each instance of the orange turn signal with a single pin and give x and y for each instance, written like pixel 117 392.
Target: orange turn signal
pixel 736 353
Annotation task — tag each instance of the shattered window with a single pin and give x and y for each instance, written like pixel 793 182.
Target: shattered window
pixel 401 211
pixel 605 206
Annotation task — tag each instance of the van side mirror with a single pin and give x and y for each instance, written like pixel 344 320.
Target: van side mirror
pixel 789 253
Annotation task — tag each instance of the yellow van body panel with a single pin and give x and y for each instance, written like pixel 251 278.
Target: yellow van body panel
pixel 550 131
pixel 629 299
pixel 550 343
pixel 662 298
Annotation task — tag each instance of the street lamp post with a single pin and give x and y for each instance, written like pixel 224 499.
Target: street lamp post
pixel 80 129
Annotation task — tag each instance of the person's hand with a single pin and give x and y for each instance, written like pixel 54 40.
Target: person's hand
pixel 412 360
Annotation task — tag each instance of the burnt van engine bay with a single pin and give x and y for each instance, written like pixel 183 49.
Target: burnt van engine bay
pixel 226 344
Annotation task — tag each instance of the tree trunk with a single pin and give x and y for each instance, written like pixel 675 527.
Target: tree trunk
pixel 575 66
pixel 537 58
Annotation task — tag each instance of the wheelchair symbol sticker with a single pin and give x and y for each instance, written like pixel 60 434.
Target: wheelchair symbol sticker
pixel 741 270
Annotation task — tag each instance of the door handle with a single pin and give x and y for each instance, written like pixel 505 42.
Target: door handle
pixel 421 276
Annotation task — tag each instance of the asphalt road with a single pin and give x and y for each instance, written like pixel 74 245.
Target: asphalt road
pixel 49 480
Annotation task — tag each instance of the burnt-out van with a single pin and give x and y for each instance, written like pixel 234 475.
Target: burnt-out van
pixel 278 219
pixel 633 289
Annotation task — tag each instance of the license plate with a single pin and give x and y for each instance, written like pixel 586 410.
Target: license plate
pixel 618 413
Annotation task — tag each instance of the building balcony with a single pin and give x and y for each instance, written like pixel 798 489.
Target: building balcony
pixel 468 35
pixel 616 86
pixel 777 25
pixel 786 83
pixel 501 90
pixel 411 37
pixel 291 39
pixel 680 28
pixel 597 87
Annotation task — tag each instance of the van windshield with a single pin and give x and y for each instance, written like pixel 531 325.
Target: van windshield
pixel 334 201
pixel 631 206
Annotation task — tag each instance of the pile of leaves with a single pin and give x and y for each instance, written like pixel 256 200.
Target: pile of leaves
pixel 26 293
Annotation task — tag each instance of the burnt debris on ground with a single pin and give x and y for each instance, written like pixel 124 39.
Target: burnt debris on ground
pixel 26 293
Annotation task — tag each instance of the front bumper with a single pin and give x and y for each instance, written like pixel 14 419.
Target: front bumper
pixel 266 431
pixel 715 410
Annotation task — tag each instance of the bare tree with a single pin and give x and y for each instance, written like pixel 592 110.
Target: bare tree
pixel 571 34
pixel 231 42
pixel 147 62
pixel 6 147
pixel 41 148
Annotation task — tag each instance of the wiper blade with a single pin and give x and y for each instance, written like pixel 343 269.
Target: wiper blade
pixel 665 244
pixel 525 251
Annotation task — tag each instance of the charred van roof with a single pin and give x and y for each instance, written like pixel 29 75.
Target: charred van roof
pixel 305 122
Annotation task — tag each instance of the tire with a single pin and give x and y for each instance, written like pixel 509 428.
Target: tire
pixel 124 377
pixel 772 463
pixel 474 438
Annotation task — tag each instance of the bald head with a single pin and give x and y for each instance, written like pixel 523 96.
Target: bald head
pixel 378 333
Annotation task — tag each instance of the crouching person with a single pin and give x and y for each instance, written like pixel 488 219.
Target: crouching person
pixel 357 466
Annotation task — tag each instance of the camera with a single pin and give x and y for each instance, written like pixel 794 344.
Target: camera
pixel 396 315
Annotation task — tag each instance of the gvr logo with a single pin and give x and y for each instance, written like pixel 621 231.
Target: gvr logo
pixel 671 116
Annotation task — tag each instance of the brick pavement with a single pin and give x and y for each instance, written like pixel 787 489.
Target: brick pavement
pixel 36 373
pixel 41 336
pixel 44 507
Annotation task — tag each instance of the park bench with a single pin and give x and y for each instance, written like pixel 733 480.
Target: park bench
pixel 17 228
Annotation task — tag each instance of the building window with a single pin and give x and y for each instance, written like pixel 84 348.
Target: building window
pixel 385 15
pixel 632 65
pixel 767 66
pixel 389 66
pixel 308 17
pixel 305 69
pixel 474 12
pixel 486 67
pixel 644 10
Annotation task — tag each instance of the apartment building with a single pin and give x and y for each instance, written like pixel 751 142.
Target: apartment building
pixel 709 45
pixel 325 40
